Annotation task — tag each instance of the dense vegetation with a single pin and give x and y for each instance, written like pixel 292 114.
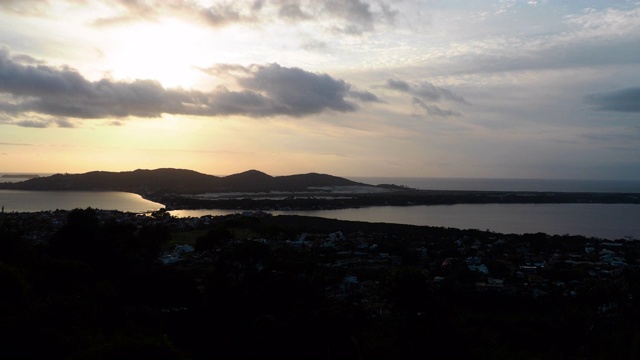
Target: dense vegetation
pixel 402 197
pixel 96 290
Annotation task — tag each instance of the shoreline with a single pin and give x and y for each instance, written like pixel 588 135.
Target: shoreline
pixel 251 202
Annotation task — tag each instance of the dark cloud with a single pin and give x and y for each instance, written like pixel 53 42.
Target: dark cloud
pixel 625 100
pixel 292 11
pixel 431 109
pixel 431 92
pixel 357 15
pixel 64 123
pixel 398 85
pixel 424 94
pixel 298 92
pixel 223 14
pixel 388 13
pixel 364 96
pixel 424 90
pixel 40 124
pixel 267 90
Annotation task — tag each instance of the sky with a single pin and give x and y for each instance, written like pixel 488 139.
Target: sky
pixel 545 89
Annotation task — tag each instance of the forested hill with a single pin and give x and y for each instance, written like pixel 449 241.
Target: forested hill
pixel 178 181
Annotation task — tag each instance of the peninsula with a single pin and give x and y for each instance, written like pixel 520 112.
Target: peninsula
pixel 255 190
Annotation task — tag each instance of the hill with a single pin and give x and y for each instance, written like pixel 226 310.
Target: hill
pixel 178 181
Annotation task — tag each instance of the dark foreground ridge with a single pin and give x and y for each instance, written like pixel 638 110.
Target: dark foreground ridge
pixel 255 190
pixel 90 284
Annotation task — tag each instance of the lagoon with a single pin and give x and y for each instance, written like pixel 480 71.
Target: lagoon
pixel 606 221
pixel 30 201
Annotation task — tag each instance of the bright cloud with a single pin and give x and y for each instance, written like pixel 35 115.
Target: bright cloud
pixel 267 90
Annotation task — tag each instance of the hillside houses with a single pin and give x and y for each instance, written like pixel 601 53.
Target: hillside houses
pixel 531 265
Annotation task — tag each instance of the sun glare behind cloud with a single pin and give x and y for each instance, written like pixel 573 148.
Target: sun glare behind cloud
pixel 166 52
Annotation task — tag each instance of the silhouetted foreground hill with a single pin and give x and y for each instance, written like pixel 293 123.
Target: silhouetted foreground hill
pixel 178 181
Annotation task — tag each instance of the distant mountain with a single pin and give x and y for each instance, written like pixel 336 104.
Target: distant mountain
pixel 252 180
pixel 303 181
pixel 178 181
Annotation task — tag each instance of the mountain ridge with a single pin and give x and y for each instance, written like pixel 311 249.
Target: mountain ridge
pixel 178 181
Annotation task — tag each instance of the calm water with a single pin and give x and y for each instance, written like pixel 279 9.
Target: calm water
pixel 606 221
pixel 29 201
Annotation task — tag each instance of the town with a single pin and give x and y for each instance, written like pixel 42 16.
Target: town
pixel 292 286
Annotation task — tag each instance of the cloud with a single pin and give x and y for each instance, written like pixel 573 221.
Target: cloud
pixel 220 13
pixel 356 14
pixel 223 14
pixel 591 38
pixel 15 144
pixel 607 23
pixel 265 90
pixel 26 59
pixel 388 13
pixel 314 45
pixel 352 17
pixel 292 11
pixel 64 123
pixel 64 92
pixel 297 92
pixel 27 8
pixel 127 11
pixel 364 96
pixel 625 100
pixel 398 85
pixel 424 90
pixel 431 109
pixel 39 124
pixel 425 94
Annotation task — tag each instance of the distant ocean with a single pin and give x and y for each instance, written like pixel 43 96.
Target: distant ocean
pixel 9 177
pixel 554 185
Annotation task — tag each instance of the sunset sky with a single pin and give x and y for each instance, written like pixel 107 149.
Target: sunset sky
pixel 485 89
